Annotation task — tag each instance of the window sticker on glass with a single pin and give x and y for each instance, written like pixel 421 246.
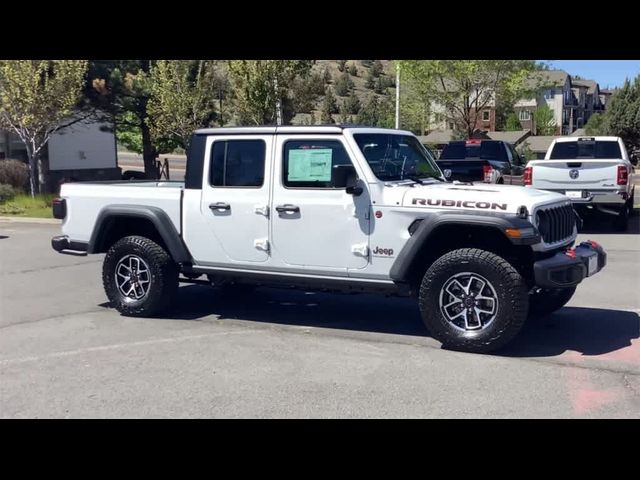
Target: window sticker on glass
pixel 310 165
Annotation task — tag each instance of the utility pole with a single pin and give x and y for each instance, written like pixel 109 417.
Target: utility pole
pixel 397 95
pixel 278 104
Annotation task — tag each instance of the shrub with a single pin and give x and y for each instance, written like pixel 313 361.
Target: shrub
pixel 6 192
pixel 14 173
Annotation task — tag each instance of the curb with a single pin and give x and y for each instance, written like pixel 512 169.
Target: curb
pixel 46 221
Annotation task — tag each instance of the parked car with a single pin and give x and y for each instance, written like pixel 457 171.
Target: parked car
pixel 337 209
pixel 488 161
pixel 594 172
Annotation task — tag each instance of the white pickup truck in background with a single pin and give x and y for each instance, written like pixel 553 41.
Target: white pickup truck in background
pixel 594 172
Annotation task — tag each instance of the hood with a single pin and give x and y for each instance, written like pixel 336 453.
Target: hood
pixel 479 197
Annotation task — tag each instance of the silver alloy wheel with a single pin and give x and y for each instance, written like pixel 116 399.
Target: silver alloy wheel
pixel 133 277
pixel 468 301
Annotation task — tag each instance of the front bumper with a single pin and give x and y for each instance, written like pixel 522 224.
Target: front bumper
pixel 569 268
pixel 62 244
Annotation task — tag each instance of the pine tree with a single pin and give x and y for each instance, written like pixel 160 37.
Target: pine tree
pixel 341 65
pixel 353 70
pixel 352 104
pixel 377 68
pixel 371 81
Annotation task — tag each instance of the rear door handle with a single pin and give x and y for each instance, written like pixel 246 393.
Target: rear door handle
pixel 287 208
pixel 220 206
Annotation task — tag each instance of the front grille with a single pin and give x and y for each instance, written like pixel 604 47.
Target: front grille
pixel 556 224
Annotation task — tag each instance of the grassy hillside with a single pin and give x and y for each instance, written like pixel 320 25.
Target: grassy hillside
pixel 364 68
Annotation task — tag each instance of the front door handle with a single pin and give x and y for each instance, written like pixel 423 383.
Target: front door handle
pixel 220 206
pixel 287 208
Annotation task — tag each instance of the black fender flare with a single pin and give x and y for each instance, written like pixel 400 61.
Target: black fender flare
pixel 430 224
pixel 155 215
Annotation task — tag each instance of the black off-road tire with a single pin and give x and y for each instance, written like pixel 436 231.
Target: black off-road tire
pixel 510 289
pixel 163 277
pixel 547 301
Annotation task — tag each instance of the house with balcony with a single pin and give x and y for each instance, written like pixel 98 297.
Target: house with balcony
pixel 554 89
pixel 572 100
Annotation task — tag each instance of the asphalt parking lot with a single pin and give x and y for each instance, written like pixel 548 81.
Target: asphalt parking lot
pixel 278 353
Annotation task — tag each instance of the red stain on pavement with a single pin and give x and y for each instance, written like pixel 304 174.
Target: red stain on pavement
pixel 584 397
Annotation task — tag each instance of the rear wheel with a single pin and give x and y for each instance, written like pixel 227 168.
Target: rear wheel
pixel 548 300
pixel 139 277
pixel 473 300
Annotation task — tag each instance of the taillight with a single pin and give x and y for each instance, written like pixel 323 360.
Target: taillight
pixel 59 206
pixel 487 171
pixel 527 176
pixel 623 175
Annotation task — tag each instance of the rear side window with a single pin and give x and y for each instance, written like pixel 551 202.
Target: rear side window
pixel 484 151
pixel 237 163
pixel 586 149
pixel 454 151
pixel 310 163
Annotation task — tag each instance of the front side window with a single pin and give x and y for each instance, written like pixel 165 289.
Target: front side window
pixel 396 157
pixel 237 163
pixel 313 163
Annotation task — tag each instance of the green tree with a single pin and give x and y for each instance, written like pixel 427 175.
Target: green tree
pixel 352 104
pixel 37 99
pixel 329 107
pixel 353 70
pixel 326 76
pixel 513 123
pixel 380 86
pixel 545 123
pixel 597 125
pixel 261 85
pixel 463 87
pixel 118 90
pixel 182 99
pixel 377 68
pixel 371 81
pixel 344 84
pixel 330 101
pixel 370 112
pixel 377 113
pixel 623 114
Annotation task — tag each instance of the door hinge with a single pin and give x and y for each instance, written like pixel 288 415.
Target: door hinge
pixel 262 210
pixel 361 249
pixel 261 244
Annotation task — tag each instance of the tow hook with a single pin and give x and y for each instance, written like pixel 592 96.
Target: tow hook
pixel 571 253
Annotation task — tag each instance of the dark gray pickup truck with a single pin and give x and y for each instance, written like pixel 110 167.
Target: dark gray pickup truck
pixel 488 161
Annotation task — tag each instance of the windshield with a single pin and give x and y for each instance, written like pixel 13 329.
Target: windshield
pixel 396 157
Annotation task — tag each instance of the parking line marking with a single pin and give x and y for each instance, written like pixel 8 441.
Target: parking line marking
pixel 115 346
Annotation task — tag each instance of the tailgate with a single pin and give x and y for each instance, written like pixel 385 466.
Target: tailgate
pixel 574 174
pixel 463 170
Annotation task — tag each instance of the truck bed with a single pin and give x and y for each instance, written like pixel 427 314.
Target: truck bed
pixel 85 200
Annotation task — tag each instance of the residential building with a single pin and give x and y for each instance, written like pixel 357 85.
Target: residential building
pixel 85 150
pixel 572 100
pixel 555 91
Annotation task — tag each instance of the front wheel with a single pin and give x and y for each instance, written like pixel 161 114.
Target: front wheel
pixel 473 300
pixel 139 277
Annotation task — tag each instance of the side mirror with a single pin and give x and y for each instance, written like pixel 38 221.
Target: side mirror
pixel 345 176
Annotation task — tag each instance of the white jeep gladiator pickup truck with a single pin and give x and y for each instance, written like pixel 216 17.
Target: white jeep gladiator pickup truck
pixel 333 208
pixel 594 172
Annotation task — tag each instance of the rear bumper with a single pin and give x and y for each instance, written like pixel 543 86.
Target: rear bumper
pixel 567 269
pixel 62 244
pixel 595 197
